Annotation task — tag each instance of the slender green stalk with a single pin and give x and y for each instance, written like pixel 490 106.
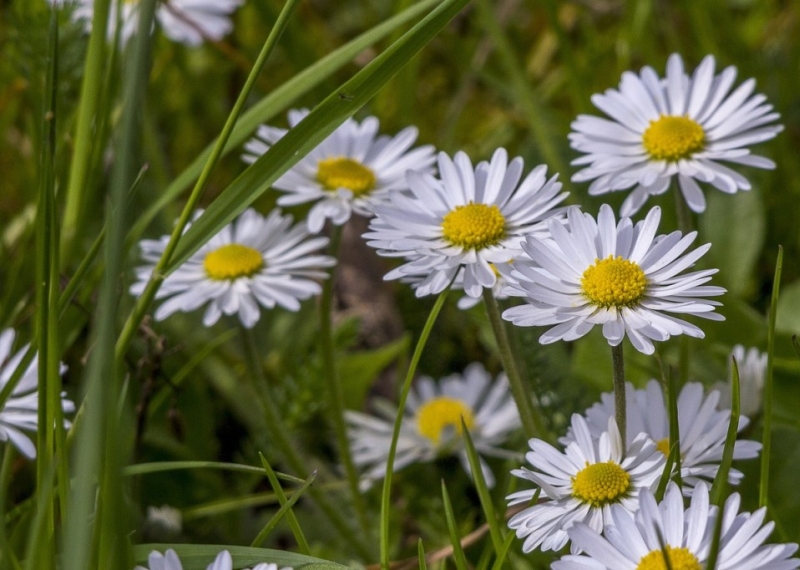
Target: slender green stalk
pixel 531 422
pixel 620 406
pixel 717 495
pixel 5 478
pixel 482 488
pixel 285 508
pixel 333 383
pixel 421 555
pixel 766 449
pixel 297 531
pixel 149 293
pixel 500 561
pixel 452 529
pixel 682 211
pixel 674 428
pixel 161 466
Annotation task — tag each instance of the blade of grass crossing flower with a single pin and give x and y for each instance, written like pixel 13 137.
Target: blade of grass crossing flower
pixel 502 553
pixel 312 130
pixel 664 551
pixel 483 490
pixel 285 508
pixel 452 529
pixel 674 427
pixel 713 553
pixel 412 369
pixel 717 495
pixel 666 474
pixel 620 405
pixel 149 293
pixel 766 449
pixel 421 555
pixel 290 517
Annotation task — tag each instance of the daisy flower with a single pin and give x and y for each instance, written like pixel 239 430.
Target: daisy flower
pixel 223 561
pixel 20 413
pixel 702 428
pixel 582 483
pixel 619 276
pixel 432 426
pixel 189 22
pixel 752 365
pixel 254 260
pixel 681 126
pixel 637 541
pixel 350 171
pixel 469 218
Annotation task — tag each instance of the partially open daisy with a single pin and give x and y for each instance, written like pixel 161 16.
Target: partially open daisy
pixel 752 365
pixel 702 428
pixel 680 126
pixel 350 171
pixel 582 483
pixel 432 423
pixel 468 218
pixel 619 276
pixel 20 413
pixel 189 22
pixel 223 561
pixel 638 541
pixel 254 260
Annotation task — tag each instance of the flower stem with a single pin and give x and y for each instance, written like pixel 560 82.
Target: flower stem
pixel 620 406
pixel 683 213
pixel 531 422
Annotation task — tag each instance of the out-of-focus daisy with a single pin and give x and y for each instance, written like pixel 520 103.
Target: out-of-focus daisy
pixel 189 22
pixel 582 483
pixel 702 428
pixel 469 218
pixel 165 518
pixel 634 541
pixel 170 561
pixel 432 423
pixel 254 260
pixel 350 171
pixel 752 365
pixel 21 411
pixel 680 126
pixel 619 276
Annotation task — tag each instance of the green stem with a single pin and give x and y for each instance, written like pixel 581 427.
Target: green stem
pixel 401 405
pixel 531 422
pixel 684 214
pixel 620 406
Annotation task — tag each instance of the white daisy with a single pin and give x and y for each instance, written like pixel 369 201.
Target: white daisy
pixel 252 261
pixel 679 126
pixel 752 365
pixel 468 218
pixel 619 276
pixel 702 428
pixel 432 423
pixel 189 22
pixel 223 561
pixel 637 541
pixel 582 483
pixel 350 171
pixel 20 412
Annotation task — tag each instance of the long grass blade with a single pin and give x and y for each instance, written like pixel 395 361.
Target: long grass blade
pixel 452 529
pixel 290 516
pixel 721 479
pixel 285 508
pixel 483 490
pixel 423 565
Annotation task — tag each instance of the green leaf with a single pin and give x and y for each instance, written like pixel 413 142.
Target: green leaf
pixel 198 557
pixel 788 319
pixel 359 370
pixel 452 528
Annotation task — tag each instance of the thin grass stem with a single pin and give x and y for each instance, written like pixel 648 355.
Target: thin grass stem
pixel 297 531
pixel 620 405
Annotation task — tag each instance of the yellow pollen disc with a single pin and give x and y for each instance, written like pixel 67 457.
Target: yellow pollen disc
pixel 614 282
pixel 663 446
pixel 601 484
pixel 437 414
pixel 474 226
pixel 341 172
pixel 679 559
pixel 232 261
pixel 672 138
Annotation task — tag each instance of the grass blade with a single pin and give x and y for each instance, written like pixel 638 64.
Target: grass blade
pixel 285 508
pixel 721 479
pixel 483 491
pixel 458 552
pixel 291 518
pixel 421 555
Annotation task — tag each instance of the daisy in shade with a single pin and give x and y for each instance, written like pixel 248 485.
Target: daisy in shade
pixel 223 561
pixel 752 365
pixel 681 126
pixel 620 276
pixel 190 22
pixel 20 413
pixel 469 218
pixel 350 171
pixel 702 428
pixel 432 423
pixel 255 260
pixel 638 541
pixel 582 483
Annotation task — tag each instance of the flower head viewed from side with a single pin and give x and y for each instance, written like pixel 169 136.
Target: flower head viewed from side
pixel 432 423
pixel 582 483
pixel 350 171
pixel 620 276
pixel 255 260
pixel 752 365
pixel 21 411
pixel 702 428
pixel 469 218
pixel 635 541
pixel 680 126
pixel 223 561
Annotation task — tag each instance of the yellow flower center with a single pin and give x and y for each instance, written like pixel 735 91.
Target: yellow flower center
pixel 672 138
pixel 679 559
pixel 437 414
pixel 474 226
pixel 341 172
pixel 601 484
pixel 614 282
pixel 663 446
pixel 232 261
